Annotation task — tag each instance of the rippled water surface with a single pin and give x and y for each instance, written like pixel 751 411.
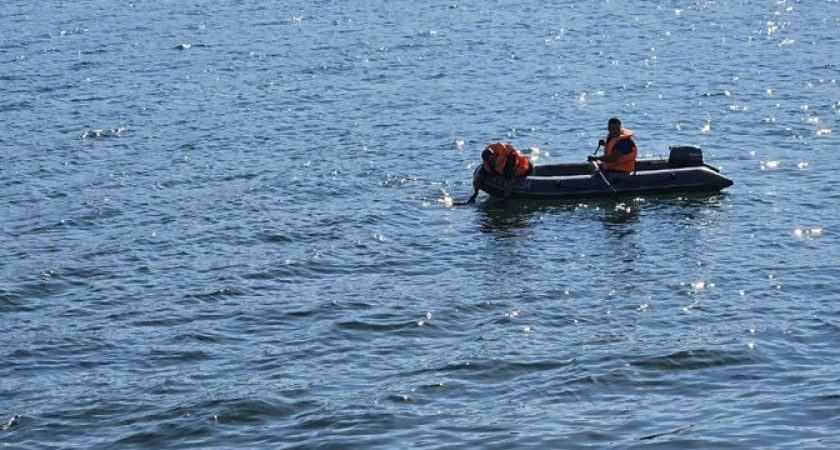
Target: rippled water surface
pixel 230 225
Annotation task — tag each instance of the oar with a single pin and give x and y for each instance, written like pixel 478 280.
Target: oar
pixel 601 173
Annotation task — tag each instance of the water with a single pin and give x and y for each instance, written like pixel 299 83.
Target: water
pixel 230 226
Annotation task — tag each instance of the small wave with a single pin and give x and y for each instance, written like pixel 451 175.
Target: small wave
pixel 253 411
pixel 694 360
pixel 361 325
pixel 653 436
pixel 217 294
pixel 177 357
pixel 275 238
pixel 162 322
pixel 11 302
pixel 197 337
pixel 400 398
pixel 497 370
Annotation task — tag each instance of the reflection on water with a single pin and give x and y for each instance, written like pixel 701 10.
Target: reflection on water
pixel 621 220
pixel 514 218
pixel 622 223
pixel 508 220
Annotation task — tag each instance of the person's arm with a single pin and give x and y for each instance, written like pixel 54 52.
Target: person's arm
pixel 510 175
pixel 621 148
pixel 612 156
pixel 509 185
pixel 476 185
pixel 510 167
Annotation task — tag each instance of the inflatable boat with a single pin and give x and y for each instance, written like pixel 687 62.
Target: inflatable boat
pixel 683 172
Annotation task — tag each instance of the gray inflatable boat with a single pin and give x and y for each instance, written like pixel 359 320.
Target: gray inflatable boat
pixel 683 172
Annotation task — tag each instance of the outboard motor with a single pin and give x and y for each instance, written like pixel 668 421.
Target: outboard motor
pixel 685 156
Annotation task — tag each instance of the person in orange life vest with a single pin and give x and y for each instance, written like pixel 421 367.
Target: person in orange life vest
pixel 619 149
pixel 501 158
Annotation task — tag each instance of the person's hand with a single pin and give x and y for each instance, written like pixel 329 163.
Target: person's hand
pixel 602 143
pixel 592 158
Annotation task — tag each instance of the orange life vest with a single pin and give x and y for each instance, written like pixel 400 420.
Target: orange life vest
pixel 625 162
pixel 503 151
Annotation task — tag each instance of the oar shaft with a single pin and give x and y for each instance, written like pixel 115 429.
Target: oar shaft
pixel 604 178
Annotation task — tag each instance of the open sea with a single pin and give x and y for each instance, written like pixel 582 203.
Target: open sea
pixel 229 225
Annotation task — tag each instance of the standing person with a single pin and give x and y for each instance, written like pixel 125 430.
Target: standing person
pixel 619 149
pixel 501 158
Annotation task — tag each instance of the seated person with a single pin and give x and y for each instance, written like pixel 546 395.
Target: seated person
pixel 619 149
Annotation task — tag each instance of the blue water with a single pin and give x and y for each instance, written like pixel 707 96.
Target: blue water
pixel 231 226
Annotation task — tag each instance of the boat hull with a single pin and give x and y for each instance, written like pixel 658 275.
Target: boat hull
pixel 571 181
